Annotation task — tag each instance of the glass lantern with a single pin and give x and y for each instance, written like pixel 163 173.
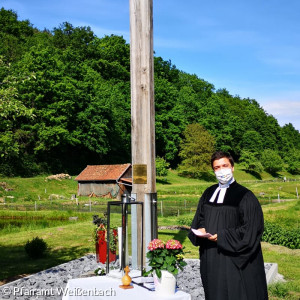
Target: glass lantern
pixel 129 211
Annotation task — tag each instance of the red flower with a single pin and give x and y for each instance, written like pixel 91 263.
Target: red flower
pixel 173 244
pixel 163 256
pixel 156 244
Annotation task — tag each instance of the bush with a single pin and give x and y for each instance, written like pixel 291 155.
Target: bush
pixel 195 151
pixel 271 161
pixel 36 247
pixel 250 162
pixel 292 158
pixel 277 235
pixel 278 290
pixel 161 166
pixel 185 221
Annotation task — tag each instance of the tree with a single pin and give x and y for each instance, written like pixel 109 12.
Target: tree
pixel 12 110
pixel 196 149
pixel 271 161
pixel 80 97
pixel 291 134
pixel 168 121
pixel 252 142
pixel 217 120
pixel 13 34
pixel 292 158
pixel 250 162
pixel 13 113
pixel 161 166
pixel 165 70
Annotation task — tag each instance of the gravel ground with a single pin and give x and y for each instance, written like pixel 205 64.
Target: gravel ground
pixel 51 282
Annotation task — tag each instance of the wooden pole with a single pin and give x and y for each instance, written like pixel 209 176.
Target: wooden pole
pixel 142 109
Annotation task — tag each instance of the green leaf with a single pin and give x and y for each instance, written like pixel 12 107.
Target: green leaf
pixel 159 260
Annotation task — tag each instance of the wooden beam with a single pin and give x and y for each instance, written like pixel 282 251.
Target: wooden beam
pixel 142 106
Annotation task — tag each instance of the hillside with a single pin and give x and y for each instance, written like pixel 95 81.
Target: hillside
pixel 65 103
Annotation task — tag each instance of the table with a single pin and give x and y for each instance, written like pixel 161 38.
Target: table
pixel 103 287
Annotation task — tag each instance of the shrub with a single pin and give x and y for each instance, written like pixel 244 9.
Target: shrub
pixel 250 162
pixel 187 220
pixel 271 161
pixel 161 166
pixel 278 290
pixel 36 247
pixel 277 235
pixel 195 151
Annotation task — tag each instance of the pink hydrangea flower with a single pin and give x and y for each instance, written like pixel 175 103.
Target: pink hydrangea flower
pixel 156 244
pixel 173 244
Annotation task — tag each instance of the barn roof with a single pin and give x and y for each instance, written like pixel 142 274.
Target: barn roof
pixel 128 180
pixel 102 172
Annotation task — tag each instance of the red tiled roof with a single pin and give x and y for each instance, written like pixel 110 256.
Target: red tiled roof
pixel 102 172
pixel 126 179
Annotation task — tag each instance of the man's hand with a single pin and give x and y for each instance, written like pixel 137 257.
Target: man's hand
pixel 213 238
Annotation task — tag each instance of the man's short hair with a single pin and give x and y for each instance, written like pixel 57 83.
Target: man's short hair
pixel 220 154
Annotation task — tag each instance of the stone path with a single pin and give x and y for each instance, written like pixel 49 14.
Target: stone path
pixel 50 283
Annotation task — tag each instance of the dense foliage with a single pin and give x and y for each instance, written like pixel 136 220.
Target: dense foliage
pixel 196 146
pixel 36 247
pixel 65 103
pixel 161 166
pixel 275 234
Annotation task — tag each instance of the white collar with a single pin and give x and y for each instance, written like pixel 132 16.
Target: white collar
pixel 222 188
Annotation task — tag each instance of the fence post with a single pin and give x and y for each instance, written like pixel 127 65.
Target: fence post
pixel 161 209
pixel 297 193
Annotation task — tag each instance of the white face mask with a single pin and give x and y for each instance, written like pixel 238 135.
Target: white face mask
pixel 224 175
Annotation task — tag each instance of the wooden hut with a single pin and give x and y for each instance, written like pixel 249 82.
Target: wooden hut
pixel 109 181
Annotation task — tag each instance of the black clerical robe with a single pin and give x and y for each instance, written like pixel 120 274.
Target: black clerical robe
pixel 231 268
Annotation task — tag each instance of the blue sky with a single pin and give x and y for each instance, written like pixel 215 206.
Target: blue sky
pixel 249 47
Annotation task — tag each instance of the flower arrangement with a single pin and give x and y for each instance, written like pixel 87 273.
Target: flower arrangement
pixel 113 238
pixel 101 225
pixel 165 256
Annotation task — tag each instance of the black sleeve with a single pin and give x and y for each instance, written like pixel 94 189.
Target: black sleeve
pixel 198 222
pixel 241 242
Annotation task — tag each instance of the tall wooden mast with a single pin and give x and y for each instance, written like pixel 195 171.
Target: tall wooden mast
pixel 143 113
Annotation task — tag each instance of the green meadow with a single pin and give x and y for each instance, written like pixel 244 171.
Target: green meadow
pixel 31 207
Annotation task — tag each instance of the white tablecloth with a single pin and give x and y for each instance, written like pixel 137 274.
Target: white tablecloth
pixel 102 287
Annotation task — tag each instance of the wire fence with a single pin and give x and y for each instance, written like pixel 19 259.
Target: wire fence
pixel 165 207
pixel 87 207
pixel 271 180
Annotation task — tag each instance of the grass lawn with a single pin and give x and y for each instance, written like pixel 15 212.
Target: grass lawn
pixel 68 240
pixel 65 242
pixel 37 188
pixel 75 240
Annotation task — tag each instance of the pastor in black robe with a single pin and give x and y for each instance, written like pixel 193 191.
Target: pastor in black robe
pixel 231 268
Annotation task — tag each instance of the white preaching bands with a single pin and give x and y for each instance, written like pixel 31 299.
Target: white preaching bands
pixel 222 188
